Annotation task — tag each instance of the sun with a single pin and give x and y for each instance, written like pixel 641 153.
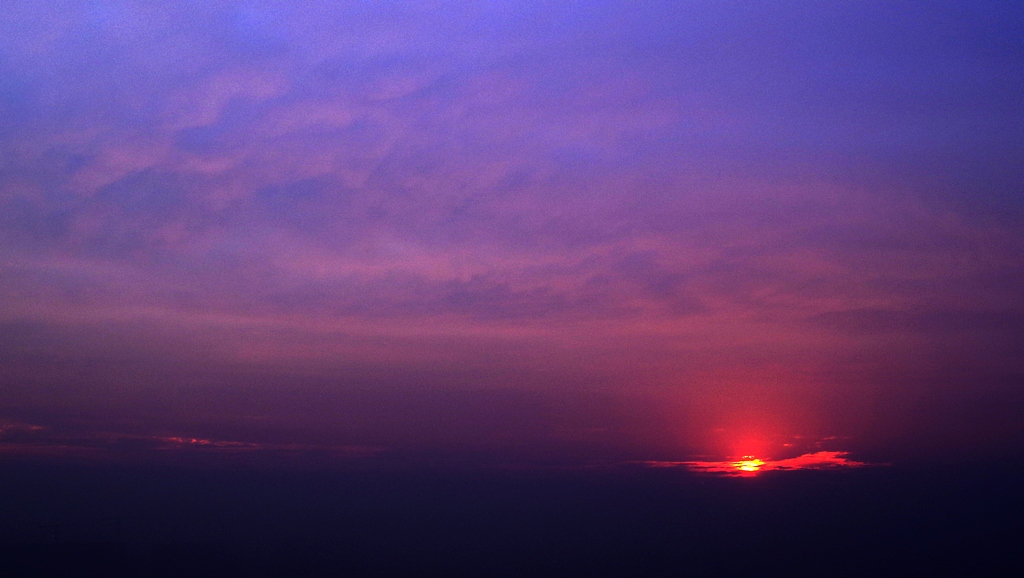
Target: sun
pixel 748 464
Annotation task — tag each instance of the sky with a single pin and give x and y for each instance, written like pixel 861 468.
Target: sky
pixel 537 230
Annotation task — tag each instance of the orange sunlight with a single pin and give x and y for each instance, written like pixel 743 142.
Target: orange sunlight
pixel 748 464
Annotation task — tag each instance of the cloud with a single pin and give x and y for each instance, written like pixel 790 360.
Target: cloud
pixel 749 466
pixel 22 440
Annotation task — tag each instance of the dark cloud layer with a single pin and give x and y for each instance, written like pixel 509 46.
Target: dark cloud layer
pixel 751 218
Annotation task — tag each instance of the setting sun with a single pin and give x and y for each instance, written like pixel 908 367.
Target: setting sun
pixel 748 464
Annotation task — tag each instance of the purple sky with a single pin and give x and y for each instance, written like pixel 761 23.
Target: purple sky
pixel 650 230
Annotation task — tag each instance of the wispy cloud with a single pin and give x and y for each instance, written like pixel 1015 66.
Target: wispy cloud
pixel 650 199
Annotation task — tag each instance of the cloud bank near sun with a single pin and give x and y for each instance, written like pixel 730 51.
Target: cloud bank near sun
pixel 750 466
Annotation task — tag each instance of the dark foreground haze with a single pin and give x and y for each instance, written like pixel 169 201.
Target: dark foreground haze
pixel 614 521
